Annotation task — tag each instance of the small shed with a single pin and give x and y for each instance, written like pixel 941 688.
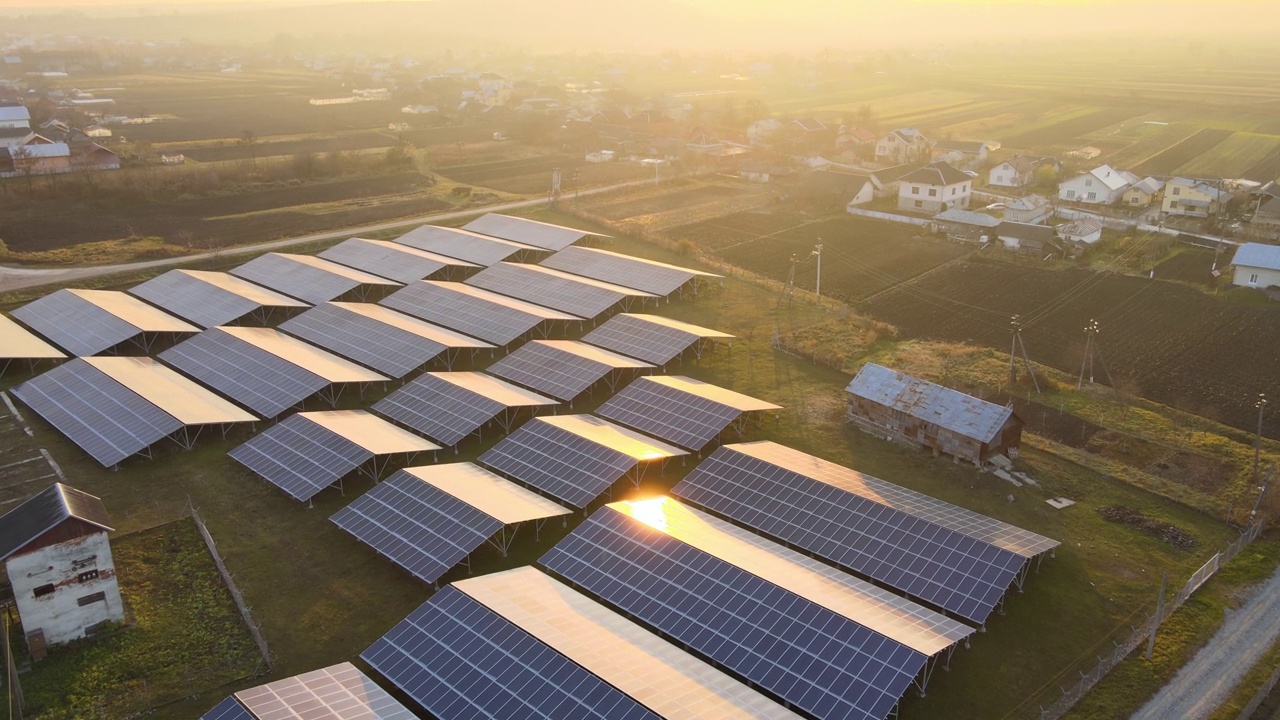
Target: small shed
pixel 882 401
pixel 1085 230
pixel 1025 237
pixel 58 560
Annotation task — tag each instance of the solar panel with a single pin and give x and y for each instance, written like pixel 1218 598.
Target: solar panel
pixel 633 272
pixel 669 413
pixel 107 420
pixel 339 692
pixel 383 347
pixel 564 464
pixel 228 709
pixel 459 660
pixel 263 382
pixel 416 525
pixel 208 299
pixel 300 457
pixel 475 312
pixel 563 369
pixel 651 338
pixel 816 660
pixel 305 277
pixel 909 554
pixel 16 342
pixel 529 232
pixel 464 245
pixel 74 324
pixel 448 407
pixel 387 259
pixel 560 291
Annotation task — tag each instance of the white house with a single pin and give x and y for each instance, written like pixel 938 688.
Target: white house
pixel 56 553
pixel 934 188
pixel 903 145
pixel 1086 230
pixel 1142 193
pixel 1102 185
pixel 14 115
pixel 1257 265
pixel 1196 198
pixel 1029 209
pixel 969 153
pixel 1018 171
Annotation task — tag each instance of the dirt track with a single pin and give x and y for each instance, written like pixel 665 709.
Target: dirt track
pixel 1203 684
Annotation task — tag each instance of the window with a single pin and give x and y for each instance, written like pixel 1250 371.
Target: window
pixel 1253 279
pixel 1088 182
pixel 87 575
pixel 915 190
pixel 1093 196
pixel 953 190
pixel 1177 191
pixel 91 599
pixel 1071 194
pixel 1173 204
pixel 44 590
pixel 919 203
pixel 933 192
pixel 1133 200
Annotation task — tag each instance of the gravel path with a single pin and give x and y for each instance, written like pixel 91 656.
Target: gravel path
pixel 1204 683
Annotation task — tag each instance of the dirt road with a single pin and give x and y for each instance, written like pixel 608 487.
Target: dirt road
pixel 1198 689
pixel 18 278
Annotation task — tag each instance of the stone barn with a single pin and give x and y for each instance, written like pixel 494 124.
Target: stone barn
pixel 56 554
pixel 905 408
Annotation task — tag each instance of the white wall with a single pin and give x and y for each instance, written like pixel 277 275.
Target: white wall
pixel 59 614
pixel 1083 185
pixel 1005 175
pixel 1265 278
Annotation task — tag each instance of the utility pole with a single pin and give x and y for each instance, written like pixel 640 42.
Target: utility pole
pixel 1262 490
pixel 791 282
pixel 1257 441
pixel 817 251
pixel 1015 327
pixel 1089 331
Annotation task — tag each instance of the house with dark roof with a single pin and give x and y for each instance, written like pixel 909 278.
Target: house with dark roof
pixel 964 225
pixel 58 560
pixel 1026 237
pixel 900 407
pixel 934 188
pixel 1266 219
pixel 1085 230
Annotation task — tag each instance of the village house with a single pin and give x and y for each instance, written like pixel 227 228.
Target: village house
pixel 904 145
pixel 1193 198
pixel 1019 171
pixel 887 180
pixel 59 564
pixel 964 225
pixel 1266 219
pixel 1028 209
pixel 1102 185
pixel 1257 265
pixel 759 132
pixel 835 186
pixel 934 188
pixel 965 153
pixel 14 115
pixel 855 139
pixel 1025 238
pixel 1142 193
pixel 884 402
pixel 1085 230
pixel 39 158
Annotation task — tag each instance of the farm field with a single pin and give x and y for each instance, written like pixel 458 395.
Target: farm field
pixel 1065 132
pixel 1165 341
pixel 230 219
pixel 1184 152
pixel 532 175
pixel 623 208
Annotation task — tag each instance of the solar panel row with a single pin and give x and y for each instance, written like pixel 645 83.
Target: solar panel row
pixel 401 263
pixel 383 347
pixel 562 369
pixel 265 383
pixel 678 417
pixel 653 277
pixel 194 300
pixel 561 463
pixel 300 457
pixel 468 310
pixel 640 337
pixel 74 324
pixel 560 291
pixel 464 245
pixel 441 410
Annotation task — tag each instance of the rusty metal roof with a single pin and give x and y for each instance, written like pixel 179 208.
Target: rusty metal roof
pixel 921 399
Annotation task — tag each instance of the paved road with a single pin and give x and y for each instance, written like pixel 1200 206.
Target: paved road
pixel 18 278
pixel 1204 683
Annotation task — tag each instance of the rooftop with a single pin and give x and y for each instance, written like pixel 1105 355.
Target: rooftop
pixel 45 511
pixel 1258 255
pixel 947 408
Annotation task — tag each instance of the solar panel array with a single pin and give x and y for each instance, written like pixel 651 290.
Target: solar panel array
pixel 460 660
pixel 385 259
pixel 861 534
pixel 633 272
pixel 195 300
pixel 306 280
pixel 300 457
pixel 562 464
pixel 553 369
pixel 639 337
pixel 339 692
pixel 228 709
pixel 478 317
pixel 75 324
pixel 385 348
pixel 528 232
pixel 464 245
pixel 419 527
pixel 253 377
pixel 668 413
pixel 819 662
pixel 439 409
pixel 547 287
pixel 103 417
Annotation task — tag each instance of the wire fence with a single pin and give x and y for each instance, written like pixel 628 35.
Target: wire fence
pixel 254 629
pixel 1142 634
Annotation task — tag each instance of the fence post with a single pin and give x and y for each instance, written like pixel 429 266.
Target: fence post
pixel 1155 622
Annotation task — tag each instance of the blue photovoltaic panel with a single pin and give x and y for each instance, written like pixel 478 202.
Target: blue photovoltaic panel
pixel 417 526
pixel 461 661
pixel 437 303
pixel 647 275
pixel 399 263
pixel 526 231
pixel 103 417
pixel 439 409
pixel 551 370
pixel 566 294
pixel 818 661
pixel 389 350
pixel 636 337
pixel 229 709
pixel 75 324
pixel 253 377
pixel 562 464
pixel 667 413
pixel 957 573
pixel 300 457
pixel 194 300
pixel 464 245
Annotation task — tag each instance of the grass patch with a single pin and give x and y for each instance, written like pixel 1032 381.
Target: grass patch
pixel 186 636
pixel 1250 685
pixel 102 252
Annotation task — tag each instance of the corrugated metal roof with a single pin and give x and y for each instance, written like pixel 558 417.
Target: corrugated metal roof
pixel 967 217
pixel 43 512
pixel 942 406
pixel 1258 255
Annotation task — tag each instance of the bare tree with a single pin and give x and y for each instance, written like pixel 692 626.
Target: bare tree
pixel 25 162
pixel 249 140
